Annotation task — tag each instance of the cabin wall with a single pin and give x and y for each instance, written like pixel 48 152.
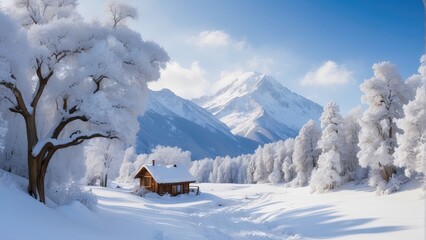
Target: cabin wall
pixel 148 182
pixel 173 189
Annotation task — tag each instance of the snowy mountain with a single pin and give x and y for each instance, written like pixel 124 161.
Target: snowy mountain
pixel 174 121
pixel 258 107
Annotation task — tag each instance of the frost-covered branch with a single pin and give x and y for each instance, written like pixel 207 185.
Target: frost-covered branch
pixel 65 122
pixel 21 107
pixel 120 11
pixel 75 139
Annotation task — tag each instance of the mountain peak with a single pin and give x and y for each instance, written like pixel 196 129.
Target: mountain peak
pixel 258 107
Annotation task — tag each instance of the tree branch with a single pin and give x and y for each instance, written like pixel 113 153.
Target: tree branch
pixel 64 122
pixel 98 81
pixel 42 83
pixel 21 107
pixel 81 138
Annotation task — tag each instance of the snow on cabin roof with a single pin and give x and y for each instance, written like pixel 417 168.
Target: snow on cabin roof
pixel 169 174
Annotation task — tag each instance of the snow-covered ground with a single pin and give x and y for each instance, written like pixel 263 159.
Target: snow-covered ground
pixel 222 211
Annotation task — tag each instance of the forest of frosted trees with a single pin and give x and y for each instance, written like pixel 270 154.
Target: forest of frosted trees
pixel 385 144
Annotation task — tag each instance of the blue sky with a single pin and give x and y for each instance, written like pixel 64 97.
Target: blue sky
pixel 320 49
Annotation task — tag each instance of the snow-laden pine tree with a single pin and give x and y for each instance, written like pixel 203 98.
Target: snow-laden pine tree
pixel 411 152
pixel 70 80
pixel 305 153
pixel 329 171
pixel 385 94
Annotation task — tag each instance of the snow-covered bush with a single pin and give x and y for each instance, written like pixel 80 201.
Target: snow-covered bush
pixel 141 192
pixel 5 179
pixel 72 191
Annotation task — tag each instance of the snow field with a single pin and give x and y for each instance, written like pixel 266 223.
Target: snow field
pixel 222 211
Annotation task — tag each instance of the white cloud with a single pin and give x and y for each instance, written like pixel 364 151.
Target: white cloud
pixel 184 82
pixel 226 77
pixel 216 38
pixel 330 73
pixel 261 64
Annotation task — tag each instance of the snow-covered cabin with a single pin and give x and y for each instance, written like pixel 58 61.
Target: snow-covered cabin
pixel 170 179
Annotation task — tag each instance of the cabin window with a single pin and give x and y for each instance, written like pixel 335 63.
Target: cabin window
pixel 147 181
pixel 176 189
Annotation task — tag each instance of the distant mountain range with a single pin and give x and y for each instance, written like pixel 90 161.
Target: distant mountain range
pixel 173 121
pixel 252 110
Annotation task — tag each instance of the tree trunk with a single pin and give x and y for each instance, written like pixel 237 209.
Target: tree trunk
pixel 32 140
pixel 387 171
pixel 40 185
pixel 32 175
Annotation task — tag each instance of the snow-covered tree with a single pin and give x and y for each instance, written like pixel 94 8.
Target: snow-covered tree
pixel 171 156
pixel 119 12
pixel 385 94
pixel 411 152
pixel 102 158
pixel 276 175
pixel 350 164
pixel 260 172
pixel 328 174
pixel 283 166
pixel 225 170
pixel 201 169
pixel 243 175
pixel 288 167
pixel 305 153
pixel 417 80
pixel 127 168
pixel 71 81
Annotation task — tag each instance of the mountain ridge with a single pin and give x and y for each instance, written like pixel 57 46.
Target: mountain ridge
pixel 173 121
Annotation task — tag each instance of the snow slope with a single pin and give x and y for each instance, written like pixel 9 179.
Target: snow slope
pixel 258 107
pixel 174 121
pixel 222 211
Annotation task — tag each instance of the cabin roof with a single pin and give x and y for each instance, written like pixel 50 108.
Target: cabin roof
pixel 167 174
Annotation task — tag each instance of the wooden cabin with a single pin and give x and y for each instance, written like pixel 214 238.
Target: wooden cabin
pixel 170 179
